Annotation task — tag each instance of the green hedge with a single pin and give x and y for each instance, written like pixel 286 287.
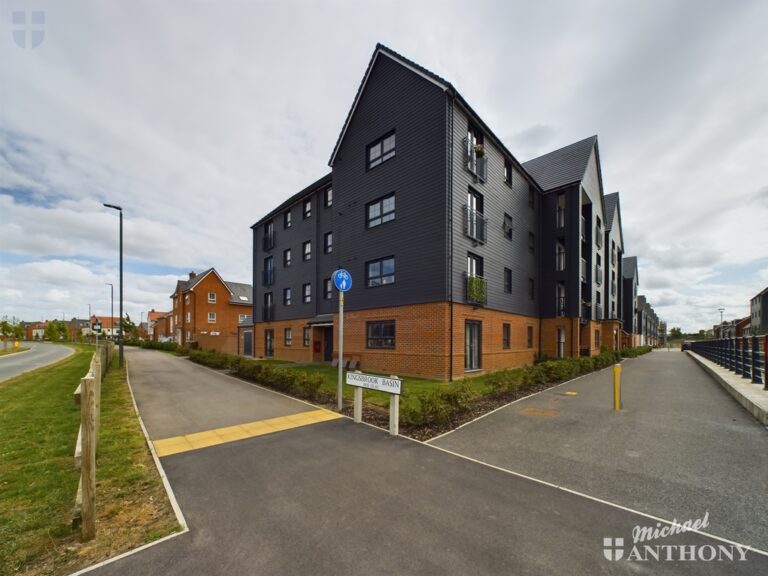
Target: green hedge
pixel 440 406
pixel 287 380
pixel 635 352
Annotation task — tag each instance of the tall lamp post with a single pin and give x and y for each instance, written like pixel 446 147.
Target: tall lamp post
pixel 120 333
pixel 112 309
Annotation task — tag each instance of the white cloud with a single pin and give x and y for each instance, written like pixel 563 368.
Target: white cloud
pixel 197 126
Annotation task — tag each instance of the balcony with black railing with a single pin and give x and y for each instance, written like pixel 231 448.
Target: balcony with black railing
pixel 268 277
pixel 268 313
pixel 475 224
pixel 477 290
pixel 598 312
pixel 583 270
pixel 560 217
pixel 561 305
pixel 598 274
pixel 475 160
pixel 560 260
pixel 268 240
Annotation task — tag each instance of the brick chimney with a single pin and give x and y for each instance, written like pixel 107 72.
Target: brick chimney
pixel 192 275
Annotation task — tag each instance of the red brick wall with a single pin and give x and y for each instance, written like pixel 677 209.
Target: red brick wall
pixel 422 340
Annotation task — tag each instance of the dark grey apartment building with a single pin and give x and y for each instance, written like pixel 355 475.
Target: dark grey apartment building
pixel 462 258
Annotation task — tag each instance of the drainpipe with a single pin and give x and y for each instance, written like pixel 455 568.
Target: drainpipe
pixel 450 227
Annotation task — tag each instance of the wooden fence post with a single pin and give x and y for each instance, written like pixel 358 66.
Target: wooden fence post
pixel 97 394
pixel 88 470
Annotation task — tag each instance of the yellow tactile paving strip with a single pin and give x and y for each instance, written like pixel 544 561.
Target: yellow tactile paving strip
pixel 178 444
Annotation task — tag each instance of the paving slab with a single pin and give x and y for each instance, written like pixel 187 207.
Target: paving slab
pixel 681 446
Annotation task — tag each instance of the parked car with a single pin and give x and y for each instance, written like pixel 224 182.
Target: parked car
pixel 685 345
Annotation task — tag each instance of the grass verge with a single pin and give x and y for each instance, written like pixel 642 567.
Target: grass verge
pixel 38 480
pixel 13 350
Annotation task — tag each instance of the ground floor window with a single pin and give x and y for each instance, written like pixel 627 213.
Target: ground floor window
pixel 307 332
pixel 473 341
pixel 505 336
pixel 597 338
pixel 288 333
pixel 380 334
pixel 530 337
pixel 561 342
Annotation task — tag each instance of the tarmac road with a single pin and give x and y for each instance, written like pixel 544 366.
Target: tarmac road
pixel 40 354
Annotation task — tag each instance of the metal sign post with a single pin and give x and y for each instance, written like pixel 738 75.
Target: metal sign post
pixel 343 282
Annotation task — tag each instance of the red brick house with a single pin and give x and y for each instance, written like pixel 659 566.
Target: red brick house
pixel 207 310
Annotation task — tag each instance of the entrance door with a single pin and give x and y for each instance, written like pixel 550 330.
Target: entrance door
pixel 473 342
pixel 269 343
pixel 248 343
pixel 328 344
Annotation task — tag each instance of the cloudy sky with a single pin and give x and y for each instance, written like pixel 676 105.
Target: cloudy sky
pixel 198 117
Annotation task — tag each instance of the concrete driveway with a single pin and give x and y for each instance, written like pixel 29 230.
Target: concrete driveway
pixel 680 447
pixel 339 498
pixel 40 354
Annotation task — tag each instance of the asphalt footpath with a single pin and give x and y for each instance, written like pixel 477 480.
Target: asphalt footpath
pixel 342 498
pixel 680 447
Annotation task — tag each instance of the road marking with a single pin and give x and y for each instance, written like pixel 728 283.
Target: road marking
pixel 571 393
pixel 187 442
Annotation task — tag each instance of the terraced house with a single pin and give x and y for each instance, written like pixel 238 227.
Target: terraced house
pixel 463 259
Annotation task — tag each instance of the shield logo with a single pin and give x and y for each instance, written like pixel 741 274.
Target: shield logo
pixel 28 28
pixel 613 548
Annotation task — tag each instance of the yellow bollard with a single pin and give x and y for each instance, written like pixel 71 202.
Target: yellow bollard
pixel 616 387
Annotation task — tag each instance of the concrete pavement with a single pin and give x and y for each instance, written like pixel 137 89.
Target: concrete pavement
pixel 40 354
pixel 339 498
pixel 680 447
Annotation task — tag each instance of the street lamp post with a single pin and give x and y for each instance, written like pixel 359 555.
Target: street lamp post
pixel 120 333
pixel 112 309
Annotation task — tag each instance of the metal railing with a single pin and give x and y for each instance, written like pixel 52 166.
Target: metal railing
pixel 583 270
pixel 475 163
pixel 268 240
pixel 560 260
pixel 744 355
pixel 560 217
pixel 598 274
pixel 561 305
pixel 268 277
pixel 475 224
pixel 268 313
pixel 477 290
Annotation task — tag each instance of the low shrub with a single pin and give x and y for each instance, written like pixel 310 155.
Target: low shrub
pixel 440 406
pixel 181 351
pixel 152 345
pixel 635 352
pixel 505 380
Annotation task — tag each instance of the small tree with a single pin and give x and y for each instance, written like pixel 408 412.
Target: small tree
pixel 675 334
pixel 129 328
pixel 6 330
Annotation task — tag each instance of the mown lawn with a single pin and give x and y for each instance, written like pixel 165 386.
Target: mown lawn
pixel 12 350
pixel 38 481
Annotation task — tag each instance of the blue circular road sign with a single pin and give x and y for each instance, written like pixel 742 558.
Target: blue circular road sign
pixel 342 280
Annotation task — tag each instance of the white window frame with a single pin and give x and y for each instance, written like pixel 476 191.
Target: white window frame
pixel 211 297
pixel 211 317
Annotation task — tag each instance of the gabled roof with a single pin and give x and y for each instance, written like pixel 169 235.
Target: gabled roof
pixel 629 268
pixel 442 83
pixel 564 166
pixel 611 201
pixel 240 293
pixel 613 214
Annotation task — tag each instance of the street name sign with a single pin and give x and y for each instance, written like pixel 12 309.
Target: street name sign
pixel 389 385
